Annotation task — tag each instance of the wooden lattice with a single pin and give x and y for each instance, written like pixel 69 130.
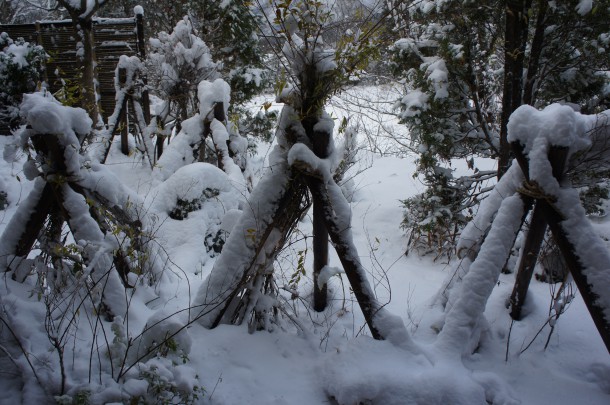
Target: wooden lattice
pixel 113 37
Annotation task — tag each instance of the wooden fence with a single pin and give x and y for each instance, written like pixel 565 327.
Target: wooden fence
pixel 113 37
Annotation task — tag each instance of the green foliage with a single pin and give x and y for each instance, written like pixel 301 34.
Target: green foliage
pixel 230 27
pixel 183 207
pixel 80 398
pixel 316 70
pixel 450 63
pixel 70 92
pixel 177 63
pixel 436 216
pixel 295 278
pixel 595 199
pixel 260 125
pixel 574 60
pixel 214 242
pixel 21 71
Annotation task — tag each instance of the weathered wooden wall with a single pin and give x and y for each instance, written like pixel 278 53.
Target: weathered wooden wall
pixel 113 37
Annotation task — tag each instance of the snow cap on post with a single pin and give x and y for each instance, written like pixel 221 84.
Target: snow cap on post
pixel 555 126
pixel 138 10
pixel 211 93
pixel 558 124
pixel 46 115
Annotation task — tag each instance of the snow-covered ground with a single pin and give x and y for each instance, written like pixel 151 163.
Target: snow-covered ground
pixel 334 355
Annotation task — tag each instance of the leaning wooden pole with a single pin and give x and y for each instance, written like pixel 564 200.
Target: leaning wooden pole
pixel 583 278
pixel 538 226
pixel 529 256
pixel 341 239
pixel 592 283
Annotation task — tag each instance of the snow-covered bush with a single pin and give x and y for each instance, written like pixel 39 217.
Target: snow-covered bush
pixel 435 217
pixel 21 71
pixel 162 382
pixel 208 137
pixel 177 63
pixel 229 27
pixel 260 125
pixel 201 192
pixel 78 268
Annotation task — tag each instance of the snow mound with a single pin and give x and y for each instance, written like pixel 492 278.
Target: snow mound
pixel 380 373
pixel 191 183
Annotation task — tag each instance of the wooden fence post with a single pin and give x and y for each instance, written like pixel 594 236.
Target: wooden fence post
pixel 142 54
pixel 218 114
pixel 123 116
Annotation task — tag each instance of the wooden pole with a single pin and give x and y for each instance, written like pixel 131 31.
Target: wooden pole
pixel 554 219
pixel 351 264
pixel 320 141
pixel 531 248
pixel 535 235
pixel 123 116
pixel 579 274
pixel 142 54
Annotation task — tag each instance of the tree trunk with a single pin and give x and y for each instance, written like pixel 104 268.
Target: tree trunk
pixel 84 31
pixel 529 92
pixel 515 37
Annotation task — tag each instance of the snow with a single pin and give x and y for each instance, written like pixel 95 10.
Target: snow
pixel 303 157
pixel 210 93
pixel 47 116
pixel 86 8
pixel 584 6
pixel 330 353
pixel 190 183
pixel 18 53
pixel 415 101
pixel 138 10
pixel 179 152
pixel 326 273
pixel 220 136
pixel 481 279
pixel 437 74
